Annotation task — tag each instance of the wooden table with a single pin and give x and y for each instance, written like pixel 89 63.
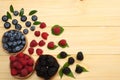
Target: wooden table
pixel 91 26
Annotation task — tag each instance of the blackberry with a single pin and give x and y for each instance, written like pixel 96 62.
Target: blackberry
pixel 25 31
pixel 7 25
pixel 80 56
pixel 34 18
pixel 28 24
pixel 32 28
pixel 14 21
pixel 66 70
pixel 23 18
pixel 46 66
pixel 63 54
pixel 18 27
pixel 4 18
pixel 78 69
pixel 71 60
pixel 15 13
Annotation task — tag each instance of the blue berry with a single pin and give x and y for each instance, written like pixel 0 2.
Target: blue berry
pixel 7 25
pixel 4 18
pixel 18 27
pixel 32 28
pixel 15 13
pixel 23 18
pixel 14 21
pixel 5 46
pixel 34 18
pixel 28 24
pixel 25 31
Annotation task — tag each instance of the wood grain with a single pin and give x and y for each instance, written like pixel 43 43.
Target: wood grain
pixel 91 26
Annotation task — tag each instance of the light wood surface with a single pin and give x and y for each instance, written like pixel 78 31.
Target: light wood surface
pixel 91 26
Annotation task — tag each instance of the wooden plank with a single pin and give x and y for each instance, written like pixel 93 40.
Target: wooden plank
pixel 101 67
pixel 70 12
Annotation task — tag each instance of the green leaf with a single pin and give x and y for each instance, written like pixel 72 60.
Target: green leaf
pixel 9 15
pixel 32 12
pixel 66 65
pixel 21 12
pixel 58 56
pixel 71 74
pixel 61 30
pixel 53 48
pixel 36 23
pixel 84 69
pixel 11 8
pixel 64 46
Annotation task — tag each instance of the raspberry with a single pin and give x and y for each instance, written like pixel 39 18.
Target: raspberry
pixel 23 61
pixel 62 43
pixel 57 30
pixel 14 72
pixel 20 55
pixel 37 33
pixel 31 51
pixel 12 58
pixel 30 62
pixel 51 45
pixel 30 69
pixel 33 43
pixel 45 35
pixel 39 52
pixel 42 25
pixel 14 64
pixel 26 57
pixel 24 72
pixel 17 65
pixel 41 43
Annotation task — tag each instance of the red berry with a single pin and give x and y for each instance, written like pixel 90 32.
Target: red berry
pixel 39 51
pixel 62 42
pixel 17 65
pixel 51 45
pixel 30 69
pixel 26 57
pixel 37 33
pixel 30 62
pixel 33 43
pixel 20 55
pixel 14 72
pixel 12 58
pixel 42 43
pixel 24 72
pixel 45 35
pixel 31 51
pixel 42 25
pixel 57 30
pixel 23 61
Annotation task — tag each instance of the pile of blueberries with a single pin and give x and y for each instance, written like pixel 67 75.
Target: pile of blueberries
pixel 13 41
pixel 23 18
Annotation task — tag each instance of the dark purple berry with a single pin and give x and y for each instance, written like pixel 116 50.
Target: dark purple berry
pixel 78 69
pixel 4 18
pixel 15 13
pixel 25 31
pixel 28 24
pixel 7 25
pixel 34 18
pixel 80 56
pixel 18 27
pixel 32 28
pixel 14 21
pixel 66 70
pixel 63 54
pixel 23 18
pixel 71 60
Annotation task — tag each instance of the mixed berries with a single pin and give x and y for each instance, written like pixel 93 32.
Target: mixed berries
pixel 21 65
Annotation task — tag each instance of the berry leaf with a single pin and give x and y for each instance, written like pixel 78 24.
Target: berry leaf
pixel 53 48
pixel 71 74
pixel 36 23
pixel 11 8
pixel 59 57
pixel 32 12
pixel 9 15
pixel 64 46
pixel 84 69
pixel 21 12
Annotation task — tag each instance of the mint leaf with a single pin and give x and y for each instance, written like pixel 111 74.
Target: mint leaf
pixel 32 12
pixel 36 23
pixel 11 9
pixel 9 15
pixel 21 12
pixel 71 74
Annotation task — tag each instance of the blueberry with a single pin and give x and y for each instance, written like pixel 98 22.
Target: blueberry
pixel 80 56
pixel 78 69
pixel 4 40
pixel 34 18
pixel 15 13
pixel 6 34
pixel 23 42
pixel 32 28
pixel 10 44
pixel 11 38
pixel 63 54
pixel 5 46
pixel 28 24
pixel 25 31
pixel 18 27
pixel 71 60
pixel 10 35
pixel 19 42
pixel 14 21
pixel 7 25
pixel 22 37
pixel 9 50
pixel 66 70
pixel 18 48
pixel 14 44
pixel 4 18
pixel 23 18
pixel 21 46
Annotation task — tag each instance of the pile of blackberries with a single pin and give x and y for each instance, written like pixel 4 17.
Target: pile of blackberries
pixel 46 66
pixel 13 41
